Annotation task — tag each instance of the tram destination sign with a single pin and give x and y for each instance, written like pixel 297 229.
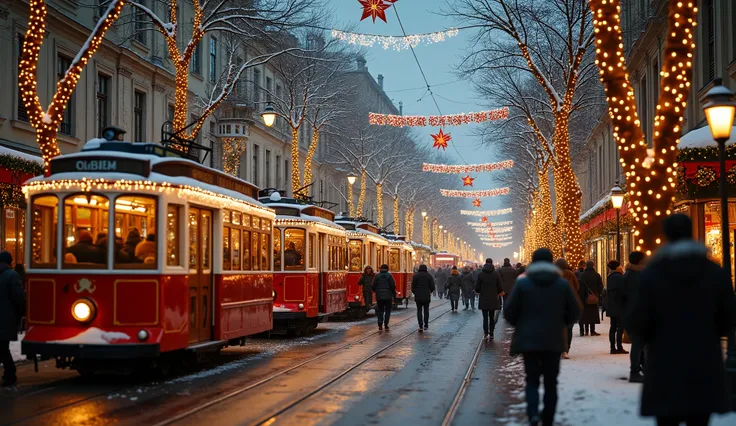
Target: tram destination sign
pixel 101 165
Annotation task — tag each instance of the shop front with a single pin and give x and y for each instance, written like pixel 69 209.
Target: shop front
pixel 598 227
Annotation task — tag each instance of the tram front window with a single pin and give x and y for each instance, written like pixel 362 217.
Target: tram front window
pixel 277 249
pixel 355 253
pixel 136 245
pixel 85 244
pixel 394 261
pixel 294 249
pixel 44 215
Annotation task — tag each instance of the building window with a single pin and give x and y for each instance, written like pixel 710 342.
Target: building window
pixel 656 77
pixel 170 112
pixel 257 87
pixel 643 113
pixel 66 127
pixel 103 118
pixel 213 59
pixel 267 170
pixel 256 152
pixel 278 172
pixel 269 87
pixel 139 116
pixel 196 66
pixel 140 25
pixel 710 48
pixel 22 112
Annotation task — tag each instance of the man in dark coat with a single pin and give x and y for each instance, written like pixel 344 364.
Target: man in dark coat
pixel 489 287
pixel 590 283
pixel 615 295
pixel 508 278
pixel 683 298
pixel 468 288
pixel 454 284
pixel 422 285
pixel 440 280
pixel 385 288
pixel 12 307
pixel 631 289
pixel 85 251
pixel 541 307
pixel 580 270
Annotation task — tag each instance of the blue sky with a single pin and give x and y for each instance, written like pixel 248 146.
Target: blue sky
pixel 439 61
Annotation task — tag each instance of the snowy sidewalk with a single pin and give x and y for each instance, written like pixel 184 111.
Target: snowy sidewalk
pixel 593 387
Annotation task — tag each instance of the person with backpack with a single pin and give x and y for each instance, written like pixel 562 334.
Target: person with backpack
pixel 12 309
pixel 591 289
pixel 468 287
pixel 385 288
pixel 489 288
pixel 422 286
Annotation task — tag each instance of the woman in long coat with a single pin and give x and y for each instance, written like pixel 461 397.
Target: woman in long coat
pixel 489 288
pixel 590 283
pixel 454 284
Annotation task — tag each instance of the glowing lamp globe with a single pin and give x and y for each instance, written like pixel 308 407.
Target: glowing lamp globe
pixel 269 115
pixel 352 178
pixel 617 197
pixel 719 110
pixel 424 214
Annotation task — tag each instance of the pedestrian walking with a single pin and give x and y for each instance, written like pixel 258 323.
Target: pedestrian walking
pixel 454 284
pixel 591 288
pixel 12 309
pixel 440 281
pixel 385 288
pixel 631 289
pixel 615 296
pixel 422 286
pixel 571 279
pixel 580 270
pixel 541 307
pixel 468 288
pixel 508 278
pixel 366 282
pixel 489 287
pixel 683 296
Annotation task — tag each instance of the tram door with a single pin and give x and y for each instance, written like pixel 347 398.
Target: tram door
pixel 200 275
pixel 320 247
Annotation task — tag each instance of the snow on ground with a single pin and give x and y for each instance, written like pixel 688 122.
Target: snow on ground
pixel 15 349
pixel 593 387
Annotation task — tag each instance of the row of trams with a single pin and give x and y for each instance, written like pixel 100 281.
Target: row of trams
pixel 222 260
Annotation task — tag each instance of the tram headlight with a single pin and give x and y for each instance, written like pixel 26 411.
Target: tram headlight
pixel 273 293
pixel 84 310
pixel 301 306
pixel 357 297
pixel 143 335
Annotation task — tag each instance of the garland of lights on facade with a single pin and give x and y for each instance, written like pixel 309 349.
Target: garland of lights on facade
pixel 397 43
pixel 457 193
pixel 480 213
pixel 470 168
pixel 437 120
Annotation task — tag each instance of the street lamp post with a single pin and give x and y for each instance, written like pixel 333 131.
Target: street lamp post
pixel 617 199
pixel 351 181
pixel 439 245
pixel 719 111
pixel 269 115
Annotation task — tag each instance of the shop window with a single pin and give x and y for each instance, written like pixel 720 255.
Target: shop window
pixel 294 249
pixel 173 228
pixel 713 237
pixel 313 251
pixel 394 260
pixel 355 249
pixel 136 244
pixel 85 241
pixel 277 250
pixel 44 219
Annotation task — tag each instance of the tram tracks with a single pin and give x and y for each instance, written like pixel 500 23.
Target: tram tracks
pixel 453 410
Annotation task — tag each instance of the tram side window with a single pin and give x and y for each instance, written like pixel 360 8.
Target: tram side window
pixel 254 240
pixel 277 249
pixel 136 245
pixel 85 243
pixel 173 228
pixel 265 260
pixel 44 221
pixel 226 264
pixel 313 251
pixel 246 250
pixel 355 255
pixel 394 261
pixel 294 249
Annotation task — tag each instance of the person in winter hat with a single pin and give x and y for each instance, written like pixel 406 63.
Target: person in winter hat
pixel 508 277
pixel 454 284
pixel 385 288
pixel 591 290
pixel 571 279
pixel 615 295
pixel 366 281
pixel 631 289
pixel 468 288
pixel 541 307
pixel 422 286
pixel 489 287
pixel 684 306
pixel 440 280
pixel 12 309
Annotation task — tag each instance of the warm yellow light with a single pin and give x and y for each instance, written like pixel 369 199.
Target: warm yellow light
pixel 719 110
pixel 269 115
pixel 617 197
pixel 352 178
pixel 82 310
pixel 424 214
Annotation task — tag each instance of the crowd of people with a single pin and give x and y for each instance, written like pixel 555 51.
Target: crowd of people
pixel 134 249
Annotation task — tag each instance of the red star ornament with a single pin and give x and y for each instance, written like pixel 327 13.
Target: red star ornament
pixel 484 219
pixel 476 202
pixel 374 9
pixel 441 139
pixel 468 181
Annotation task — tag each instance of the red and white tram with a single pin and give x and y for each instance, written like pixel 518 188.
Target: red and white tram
pixel 422 254
pixel 444 259
pixel 401 265
pixel 309 264
pixel 366 247
pixel 138 252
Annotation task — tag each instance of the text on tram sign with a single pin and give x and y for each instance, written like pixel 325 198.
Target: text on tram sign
pixel 101 165
pixel 97 165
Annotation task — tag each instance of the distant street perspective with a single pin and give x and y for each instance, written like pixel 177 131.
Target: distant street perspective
pixel 368 212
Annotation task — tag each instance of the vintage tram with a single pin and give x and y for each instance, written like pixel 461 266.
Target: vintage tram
pixel 137 253
pixel 443 259
pixel 310 277
pixel 422 254
pixel 401 265
pixel 366 247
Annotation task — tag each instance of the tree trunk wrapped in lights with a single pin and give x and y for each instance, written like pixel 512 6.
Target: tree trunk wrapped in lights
pixel 47 123
pixel 397 223
pixel 650 174
pixel 295 178
pixel 550 238
pixel 379 203
pixel 435 230
pixel 310 157
pixel 233 150
pixel 361 197
pixel 351 205
pixel 425 232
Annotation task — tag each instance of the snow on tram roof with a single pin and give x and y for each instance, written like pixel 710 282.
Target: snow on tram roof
pixel 308 218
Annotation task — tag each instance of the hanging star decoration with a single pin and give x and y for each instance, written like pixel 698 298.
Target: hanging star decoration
pixel 375 8
pixel 468 181
pixel 441 139
pixel 484 219
pixel 476 202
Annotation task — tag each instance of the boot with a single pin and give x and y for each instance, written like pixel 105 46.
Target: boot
pixel 622 351
pixel 636 378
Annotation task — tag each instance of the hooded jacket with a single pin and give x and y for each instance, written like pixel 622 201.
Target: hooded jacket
pixel 454 283
pixel 685 304
pixel 467 282
pixel 384 285
pixel 508 277
pixel 615 294
pixel 12 303
pixel 440 279
pixel 422 285
pixel 541 307
pixel 489 286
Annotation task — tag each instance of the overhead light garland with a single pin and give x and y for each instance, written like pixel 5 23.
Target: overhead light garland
pixel 486 212
pixel 487 224
pixel 397 43
pixel 498 230
pixel 498 245
pixel 457 193
pixel 470 168
pixel 437 120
